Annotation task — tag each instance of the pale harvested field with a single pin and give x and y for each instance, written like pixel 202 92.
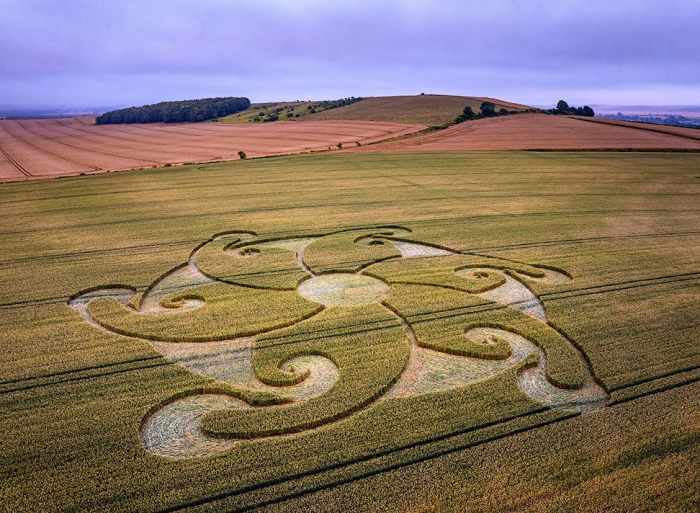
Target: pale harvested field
pixel 690 133
pixel 31 149
pixel 534 132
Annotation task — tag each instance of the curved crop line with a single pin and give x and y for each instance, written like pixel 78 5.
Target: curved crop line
pixel 483 289
pixel 582 354
pixel 499 326
pixel 303 375
pixel 221 338
pixel 429 244
pixel 313 424
pixel 414 360
pixel 242 395
pixel 157 281
pixel 552 268
pixel 99 287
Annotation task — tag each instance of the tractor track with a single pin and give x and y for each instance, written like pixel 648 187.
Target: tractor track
pixel 12 161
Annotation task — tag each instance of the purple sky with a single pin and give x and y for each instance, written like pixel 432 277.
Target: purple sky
pixel 89 53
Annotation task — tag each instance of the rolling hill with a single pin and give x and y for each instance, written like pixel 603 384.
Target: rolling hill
pixel 429 109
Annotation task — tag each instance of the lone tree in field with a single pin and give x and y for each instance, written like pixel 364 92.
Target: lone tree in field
pixel 488 109
pixel 242 155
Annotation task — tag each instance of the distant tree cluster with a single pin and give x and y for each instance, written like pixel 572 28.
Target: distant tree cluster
pixel 563 108
pixel 487 110
pixel 332 104
pixel 176 112
pixel 289 111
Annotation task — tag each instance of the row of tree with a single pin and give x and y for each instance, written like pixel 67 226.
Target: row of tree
pixel 563 108
pixel 176 112
pixel 332 104
pixel 487 110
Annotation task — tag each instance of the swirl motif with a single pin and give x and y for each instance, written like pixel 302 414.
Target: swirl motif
pixel 350 318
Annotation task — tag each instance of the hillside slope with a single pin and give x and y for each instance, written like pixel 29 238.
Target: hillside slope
pixel 426 109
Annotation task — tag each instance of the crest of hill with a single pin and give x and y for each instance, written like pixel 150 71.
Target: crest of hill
pixel 428 110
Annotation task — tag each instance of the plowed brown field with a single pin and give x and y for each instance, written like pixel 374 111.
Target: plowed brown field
pixel 541 131
pixel 63 147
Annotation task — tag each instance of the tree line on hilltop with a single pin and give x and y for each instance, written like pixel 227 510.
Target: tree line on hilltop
pixel 312 108
pixel 488 110
pixel 563 108
pixel 176 112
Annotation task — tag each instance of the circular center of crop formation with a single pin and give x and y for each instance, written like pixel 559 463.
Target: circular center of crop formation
pixel 343 289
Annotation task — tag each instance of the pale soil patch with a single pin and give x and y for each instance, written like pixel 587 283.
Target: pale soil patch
pixel 343 289
pixel 231 361
pixel 411 249
pixel 180 279
pixel 434 371
pixel 64 147
pixel 295 245
pixel 532 132
pixel 588 398
pixel 407 249
pixel 512 293
pixel 80 303
pixel 173 430
pixel 437 371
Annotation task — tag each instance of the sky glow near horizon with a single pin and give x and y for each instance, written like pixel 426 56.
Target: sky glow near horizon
pixel 84 53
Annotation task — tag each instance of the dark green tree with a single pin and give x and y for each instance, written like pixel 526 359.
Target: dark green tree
pixel 488 109
pixel 562 107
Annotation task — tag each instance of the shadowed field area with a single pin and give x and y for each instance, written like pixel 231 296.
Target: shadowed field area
pixel 462 324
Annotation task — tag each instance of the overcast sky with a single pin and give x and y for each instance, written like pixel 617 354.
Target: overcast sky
pixel 93 53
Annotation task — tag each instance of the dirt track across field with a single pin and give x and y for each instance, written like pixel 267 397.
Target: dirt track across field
pixel 31 149
pixel 543 132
